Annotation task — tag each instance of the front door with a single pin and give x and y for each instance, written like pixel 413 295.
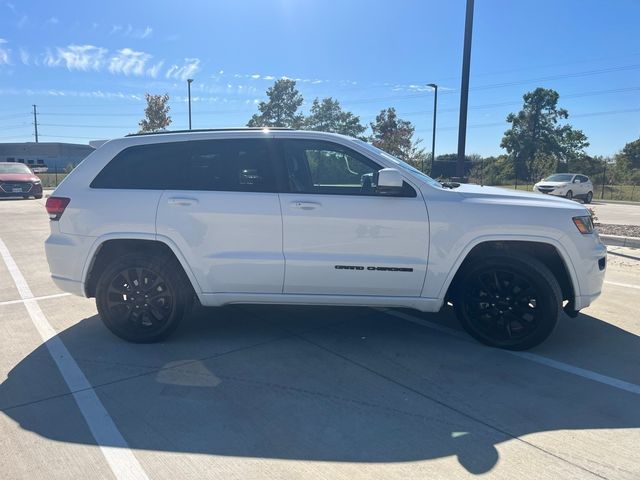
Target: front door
pixel 340 236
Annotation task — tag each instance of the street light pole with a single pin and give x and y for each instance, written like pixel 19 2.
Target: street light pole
pixel 464 90
pixel 433 137
pixel 189 80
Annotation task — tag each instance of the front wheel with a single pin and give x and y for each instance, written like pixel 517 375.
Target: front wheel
pixel 508 301
pixel 569 195
pixel 142 298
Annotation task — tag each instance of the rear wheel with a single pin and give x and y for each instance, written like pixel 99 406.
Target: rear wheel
pixel 142 298
pixel 588 198
pixel 508 301
pixel 569 195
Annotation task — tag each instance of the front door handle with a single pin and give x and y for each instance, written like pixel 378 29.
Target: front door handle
pixel 182 201
pixel 305 205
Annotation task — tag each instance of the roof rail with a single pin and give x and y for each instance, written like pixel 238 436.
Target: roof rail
pixel 228 129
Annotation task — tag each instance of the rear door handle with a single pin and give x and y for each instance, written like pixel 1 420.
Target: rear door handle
pixel 305 205
pixel 182 202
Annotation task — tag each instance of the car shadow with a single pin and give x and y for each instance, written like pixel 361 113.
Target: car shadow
pixel 323 384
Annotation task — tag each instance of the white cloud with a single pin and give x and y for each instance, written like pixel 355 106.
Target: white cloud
pixel 5 53
pixel 77 57
pixel 129 62
pixel 190 67
pixel 269 77
pixel 155 69
pixel 24 56
pixel 130 31
pixel 255 76
pixel 53 20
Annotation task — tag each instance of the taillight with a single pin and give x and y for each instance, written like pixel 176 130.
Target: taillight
pixel 55 206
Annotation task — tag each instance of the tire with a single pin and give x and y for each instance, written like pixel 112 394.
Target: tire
pixel 588 197
pixel 569 195
pixel 38 197
pixel 509 301
pixel 25 197
pixel 123 306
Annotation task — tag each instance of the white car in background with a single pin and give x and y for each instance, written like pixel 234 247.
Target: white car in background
pixel 569 185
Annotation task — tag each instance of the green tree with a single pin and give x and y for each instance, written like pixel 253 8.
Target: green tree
pixel 156 114
pixel 281 110
pixel 536 142
pixel 328 116
pixel 395 136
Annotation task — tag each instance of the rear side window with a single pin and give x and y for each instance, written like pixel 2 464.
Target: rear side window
pixel 214 165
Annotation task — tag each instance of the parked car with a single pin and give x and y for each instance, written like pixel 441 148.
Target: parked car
pixel 17 180
pixel 148 222
pixel 569 185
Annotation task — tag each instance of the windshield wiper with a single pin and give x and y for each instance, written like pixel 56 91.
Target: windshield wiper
pixel 451 185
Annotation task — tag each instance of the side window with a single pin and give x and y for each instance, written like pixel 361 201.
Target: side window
pixel 230 165
pixel 147 167
pixel 583 179
pixel 214 165
pixel 327 168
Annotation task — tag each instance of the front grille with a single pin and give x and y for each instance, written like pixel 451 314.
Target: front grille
pixel 16 187
pixel 546 189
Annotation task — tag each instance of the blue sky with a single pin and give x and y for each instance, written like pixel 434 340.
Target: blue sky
pixel 87 65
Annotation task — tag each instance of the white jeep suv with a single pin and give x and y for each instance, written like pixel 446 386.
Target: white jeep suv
pixel 148 222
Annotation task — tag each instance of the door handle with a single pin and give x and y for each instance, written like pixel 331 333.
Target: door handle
pixel 182 202
pixel 305 205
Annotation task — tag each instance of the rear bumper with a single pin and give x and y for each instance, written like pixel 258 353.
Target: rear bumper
pixel 66 255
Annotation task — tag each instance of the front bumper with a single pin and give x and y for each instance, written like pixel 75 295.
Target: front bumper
pixel 20 189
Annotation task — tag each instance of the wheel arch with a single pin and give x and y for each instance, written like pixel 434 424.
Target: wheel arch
pixel 110 246
pixel 548 251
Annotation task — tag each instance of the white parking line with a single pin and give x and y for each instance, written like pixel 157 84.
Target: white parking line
pixel 626 285
pixel 114 447
pixel 565 367
pixel 45 297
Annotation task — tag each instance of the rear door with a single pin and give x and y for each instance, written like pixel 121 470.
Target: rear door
pixel 340 236
pixel 224 214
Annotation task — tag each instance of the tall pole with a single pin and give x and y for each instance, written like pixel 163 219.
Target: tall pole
pixel 433 136
pixel 189 80
pixel 35 122
pixel 464 90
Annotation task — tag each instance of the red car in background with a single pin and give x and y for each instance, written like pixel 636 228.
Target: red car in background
pixel 17 180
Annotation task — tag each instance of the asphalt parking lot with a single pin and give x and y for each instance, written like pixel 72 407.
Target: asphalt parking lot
pixel 251 392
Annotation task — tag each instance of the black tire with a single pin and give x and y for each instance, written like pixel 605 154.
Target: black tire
pixel 508 301
pixel 588 198
pixel 569 195
pixel 25 197
pixel 141 298
pixel 38 197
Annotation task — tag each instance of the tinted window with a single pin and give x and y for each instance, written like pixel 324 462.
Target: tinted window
pixel 222 165
pixel 583 179
pixel 328 168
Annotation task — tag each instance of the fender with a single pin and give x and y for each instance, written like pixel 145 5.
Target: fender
pixel 564 255
pixel 140 236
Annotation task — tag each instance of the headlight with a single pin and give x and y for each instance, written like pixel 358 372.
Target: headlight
pixel 37 182
pixel 584 224
pixel 562 185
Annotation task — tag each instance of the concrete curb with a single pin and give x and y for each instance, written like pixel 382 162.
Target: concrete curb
pixel 619 241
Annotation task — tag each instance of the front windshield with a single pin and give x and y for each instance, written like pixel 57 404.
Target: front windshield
pixel 560 177
pixel 401 163
pixel 16 168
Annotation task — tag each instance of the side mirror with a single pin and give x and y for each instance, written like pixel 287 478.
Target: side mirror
pixel 389 181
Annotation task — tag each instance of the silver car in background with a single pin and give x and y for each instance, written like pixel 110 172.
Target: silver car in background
pixel 569 185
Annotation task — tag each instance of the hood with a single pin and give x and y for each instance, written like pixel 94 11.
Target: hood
pixel 544 183
pixel 506 196
pixel 18 177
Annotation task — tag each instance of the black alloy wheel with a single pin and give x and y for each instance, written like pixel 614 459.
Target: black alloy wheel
pixel 508 301
pixel 141 298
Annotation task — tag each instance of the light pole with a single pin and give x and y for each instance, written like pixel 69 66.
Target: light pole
pixel 464 88
pixel 189 80
pixel 433 137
